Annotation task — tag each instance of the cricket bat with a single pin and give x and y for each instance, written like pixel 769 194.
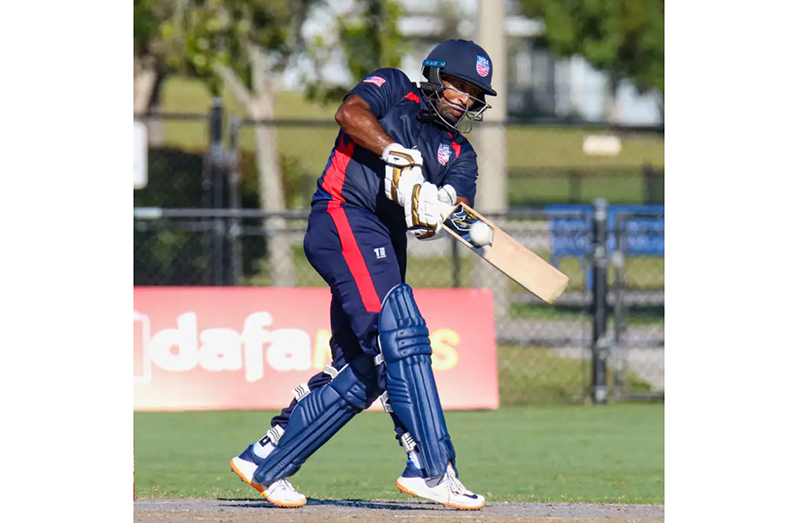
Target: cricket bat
pixel 503 252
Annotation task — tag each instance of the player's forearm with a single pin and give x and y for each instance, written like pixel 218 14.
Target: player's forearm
pixel 360 124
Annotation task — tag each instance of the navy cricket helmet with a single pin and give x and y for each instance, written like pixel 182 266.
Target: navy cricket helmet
pixel 461 59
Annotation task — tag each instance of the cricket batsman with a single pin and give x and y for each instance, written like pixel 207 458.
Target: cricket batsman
pixel 400 160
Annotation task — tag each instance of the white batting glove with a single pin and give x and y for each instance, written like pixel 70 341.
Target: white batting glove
pixel 447 198
pixel 395 154
pixel 425 221
pixel 402 171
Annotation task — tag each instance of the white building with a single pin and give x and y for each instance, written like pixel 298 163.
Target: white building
pixel 538 83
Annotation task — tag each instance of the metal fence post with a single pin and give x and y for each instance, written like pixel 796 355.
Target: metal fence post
pixel 601 342
pixel 617 260
pixel 456 269
pixel 234 191
pixel 217 188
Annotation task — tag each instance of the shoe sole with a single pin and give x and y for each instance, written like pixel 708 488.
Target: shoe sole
pixel 450 505
pixel 259 488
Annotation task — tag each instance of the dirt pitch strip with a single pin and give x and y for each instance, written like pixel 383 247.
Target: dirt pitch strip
pixel 335 511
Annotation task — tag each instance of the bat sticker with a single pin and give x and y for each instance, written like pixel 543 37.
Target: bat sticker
pixel 459 221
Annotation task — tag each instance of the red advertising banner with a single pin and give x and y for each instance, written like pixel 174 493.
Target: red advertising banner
pixel 213 348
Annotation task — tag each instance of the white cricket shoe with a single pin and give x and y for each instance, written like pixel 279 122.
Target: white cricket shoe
pixel 281 493
pixel 446 490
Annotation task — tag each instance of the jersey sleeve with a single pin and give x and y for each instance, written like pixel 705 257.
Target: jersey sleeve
pixel 383 89
pixel 463 174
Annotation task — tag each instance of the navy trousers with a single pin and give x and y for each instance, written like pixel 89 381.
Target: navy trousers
pixel 361 260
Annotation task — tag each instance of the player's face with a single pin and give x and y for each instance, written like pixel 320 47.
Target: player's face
pixel 458 97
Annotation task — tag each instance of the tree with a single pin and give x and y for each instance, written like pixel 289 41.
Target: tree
pixel 149 59
pixel 368 36
pixel 624 38
pixel 146 26
pixel 246 45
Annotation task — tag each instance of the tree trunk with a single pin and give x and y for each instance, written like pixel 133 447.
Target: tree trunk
pixel 260 105
pixel 146 86
pixel 143 87
pixel 155 133
pixel 272 198
pixel 611 106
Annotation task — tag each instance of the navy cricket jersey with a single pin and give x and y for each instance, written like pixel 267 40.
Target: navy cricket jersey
pixel 356 175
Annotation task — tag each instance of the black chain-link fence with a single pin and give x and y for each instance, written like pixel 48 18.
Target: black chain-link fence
pixel 198 222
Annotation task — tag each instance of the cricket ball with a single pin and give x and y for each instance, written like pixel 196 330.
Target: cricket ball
pixel 481 234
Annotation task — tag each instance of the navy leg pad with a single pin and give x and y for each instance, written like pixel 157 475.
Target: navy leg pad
pixel 410 384
pixel 318 416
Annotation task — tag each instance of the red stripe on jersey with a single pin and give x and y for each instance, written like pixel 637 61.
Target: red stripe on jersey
pixel 455 146
pixel 412 96
pixel 335 174
pixel 354 258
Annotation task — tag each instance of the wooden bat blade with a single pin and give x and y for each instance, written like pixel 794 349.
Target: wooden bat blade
pixel 510 257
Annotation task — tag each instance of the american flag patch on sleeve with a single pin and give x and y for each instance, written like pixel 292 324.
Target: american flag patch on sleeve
pixel 376 80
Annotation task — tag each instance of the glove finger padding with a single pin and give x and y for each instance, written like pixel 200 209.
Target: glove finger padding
pixel 427 234
pixel 399 156
pixel 421 209
pixel 402 171
pixel 399 182
pixel 446 198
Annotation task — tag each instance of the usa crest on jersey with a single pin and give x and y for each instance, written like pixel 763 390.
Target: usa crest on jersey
pixel 483 66
pixel 444 153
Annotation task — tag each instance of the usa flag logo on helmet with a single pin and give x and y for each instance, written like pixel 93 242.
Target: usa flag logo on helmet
pixel 444 153
pixel 483 66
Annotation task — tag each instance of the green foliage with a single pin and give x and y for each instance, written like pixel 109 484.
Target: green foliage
pixel 174 179
pixel 149 49
pixel 625 38
pixel 168 254
pixel 202 33
pixel 194 35
pixel 298 184
pixel 609 454
pixel 147 15
pixel 245 44
pixel 370 39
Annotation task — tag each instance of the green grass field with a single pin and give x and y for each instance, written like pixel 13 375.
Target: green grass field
pixel 606 454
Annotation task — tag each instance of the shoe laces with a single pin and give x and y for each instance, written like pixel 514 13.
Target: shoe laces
pixel 454 484
pixel 284 484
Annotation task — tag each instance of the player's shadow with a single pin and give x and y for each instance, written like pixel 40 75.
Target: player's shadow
pixel 351 503
pixel 377 504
